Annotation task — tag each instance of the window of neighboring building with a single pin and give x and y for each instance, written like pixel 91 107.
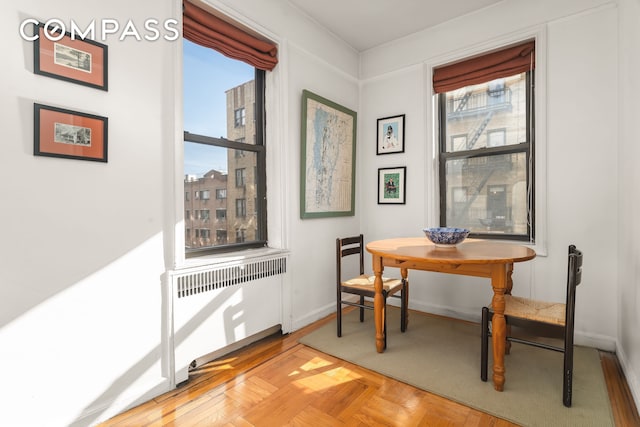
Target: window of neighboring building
pixel 241 208
pixel 240 176
pixel 496 137
pixel 221 193
pixel 221 237
pixel 486 162
pixel 203 233
pixel 458 141
pixel 239 117
pixel 459 199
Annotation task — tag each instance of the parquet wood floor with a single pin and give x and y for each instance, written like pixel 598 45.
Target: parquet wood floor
pixel 278 382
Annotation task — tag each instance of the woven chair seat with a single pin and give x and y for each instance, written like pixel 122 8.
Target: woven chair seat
pixel 363 286
pixel 365 282
pixel 540 311
pixel 549 319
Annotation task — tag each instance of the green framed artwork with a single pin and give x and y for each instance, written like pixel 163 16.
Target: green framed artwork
pixel 391 186
pixel 328 158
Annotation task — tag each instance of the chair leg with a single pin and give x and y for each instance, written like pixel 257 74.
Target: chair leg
pixel 384 319
pixel 339 318
pixel 361 309
pixel 567 387
pixel 484 346
pixel 404 306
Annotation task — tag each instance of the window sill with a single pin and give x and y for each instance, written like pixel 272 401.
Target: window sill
pixel 237 257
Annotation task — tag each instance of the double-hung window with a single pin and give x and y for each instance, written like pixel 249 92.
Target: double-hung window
pixel 486 144
pixel 239 119
pixel 224 154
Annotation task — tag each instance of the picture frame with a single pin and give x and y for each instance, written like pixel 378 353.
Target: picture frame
pixel 75 60
pixel 392 186
pixel 58 132
pixel 327 158
pixel 390 135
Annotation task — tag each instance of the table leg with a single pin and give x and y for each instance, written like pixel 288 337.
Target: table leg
pixel 498 324
pixel 378 303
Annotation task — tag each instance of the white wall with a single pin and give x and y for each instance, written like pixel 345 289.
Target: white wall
pixel 84 244
pixel 629 195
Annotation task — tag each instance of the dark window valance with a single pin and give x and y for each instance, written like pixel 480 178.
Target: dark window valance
pixel 503 63
pixel 205 29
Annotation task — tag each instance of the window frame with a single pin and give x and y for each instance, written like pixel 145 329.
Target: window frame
pixel 527 147
pixel 261 175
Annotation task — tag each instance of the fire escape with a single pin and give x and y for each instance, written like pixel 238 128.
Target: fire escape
pixel 483 106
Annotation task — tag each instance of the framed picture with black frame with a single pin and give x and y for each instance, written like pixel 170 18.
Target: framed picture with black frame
pixel 69 134
pixel 73 59
pixel 390 135
pixel 392 186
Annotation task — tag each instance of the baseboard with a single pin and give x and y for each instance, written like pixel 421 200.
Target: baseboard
pixel 445 311
pixel 584 339
pixel 330 308
pixel 594 340
pixel 100 413
pixel 131 398
pixel 236 345
pixel 321 313
pixel 313 316
pixel 631 376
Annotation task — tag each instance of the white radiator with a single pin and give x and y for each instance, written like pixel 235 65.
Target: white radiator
pixel 215 307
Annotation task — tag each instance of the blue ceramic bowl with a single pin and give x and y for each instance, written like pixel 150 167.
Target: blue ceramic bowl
pixel 446 236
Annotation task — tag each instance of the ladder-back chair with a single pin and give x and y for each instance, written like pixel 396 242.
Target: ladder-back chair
pixel 362 285
pixel 546 319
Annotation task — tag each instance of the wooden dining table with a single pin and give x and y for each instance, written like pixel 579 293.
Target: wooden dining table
pixel 472 257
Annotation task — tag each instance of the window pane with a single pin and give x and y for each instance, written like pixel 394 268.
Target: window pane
pixel 235 202
pixel 208 76
pixel 220 109
pixel 485 162
pixel 487 115
pixel 488 194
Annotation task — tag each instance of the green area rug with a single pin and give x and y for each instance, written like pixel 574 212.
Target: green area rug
pixel 442 356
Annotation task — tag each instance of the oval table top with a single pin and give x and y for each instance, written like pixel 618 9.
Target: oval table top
pixel 470 251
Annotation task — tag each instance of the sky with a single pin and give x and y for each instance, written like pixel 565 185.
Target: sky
pixel 207 75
